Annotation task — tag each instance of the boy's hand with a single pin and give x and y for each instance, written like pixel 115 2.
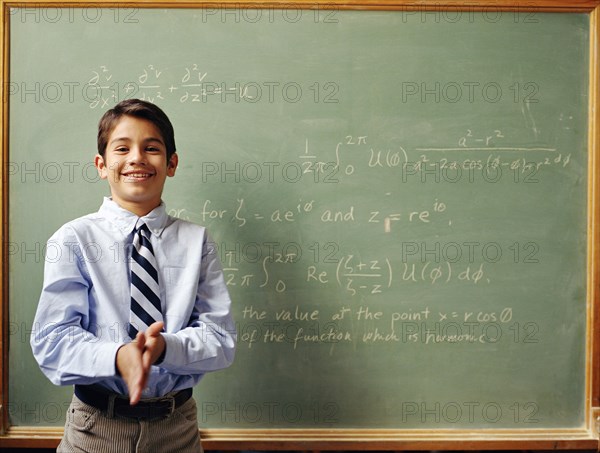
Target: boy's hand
pixel 130 365
pixel 135 359
pixel 154 344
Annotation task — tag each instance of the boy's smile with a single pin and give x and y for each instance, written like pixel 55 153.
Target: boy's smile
pixel 137 175
pixel 135 164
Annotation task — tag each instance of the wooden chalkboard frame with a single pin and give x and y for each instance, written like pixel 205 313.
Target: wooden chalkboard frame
pixel 350 439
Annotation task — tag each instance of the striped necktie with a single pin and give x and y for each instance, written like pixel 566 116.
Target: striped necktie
pixel 145 293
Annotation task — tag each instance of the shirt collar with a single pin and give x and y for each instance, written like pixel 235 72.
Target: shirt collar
pixel 126 220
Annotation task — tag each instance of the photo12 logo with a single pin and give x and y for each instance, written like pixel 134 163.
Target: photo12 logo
pixel 468 91
pixel 52 92
pixel 469 13
pixel 269 412
pixel 38 13
pixel 488 412
pixel 282 12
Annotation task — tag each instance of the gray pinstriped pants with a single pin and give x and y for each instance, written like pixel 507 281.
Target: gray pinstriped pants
pixel 88 429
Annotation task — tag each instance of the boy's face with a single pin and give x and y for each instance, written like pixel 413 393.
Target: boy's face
pixel 135 164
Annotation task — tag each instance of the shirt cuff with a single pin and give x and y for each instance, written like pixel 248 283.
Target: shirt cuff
pixel 106 358
pixel 172 357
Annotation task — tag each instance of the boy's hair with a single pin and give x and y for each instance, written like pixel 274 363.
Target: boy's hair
pixel 139 109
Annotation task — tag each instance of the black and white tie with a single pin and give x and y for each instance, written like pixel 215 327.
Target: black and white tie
pixel 145 293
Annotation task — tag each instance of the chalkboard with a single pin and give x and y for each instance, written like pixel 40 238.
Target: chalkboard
pixel 399 198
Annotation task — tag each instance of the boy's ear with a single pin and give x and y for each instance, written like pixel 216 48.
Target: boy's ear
pixel 101 166
pixel 172 164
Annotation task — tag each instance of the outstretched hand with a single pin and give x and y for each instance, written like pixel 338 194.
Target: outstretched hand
pixel 135 359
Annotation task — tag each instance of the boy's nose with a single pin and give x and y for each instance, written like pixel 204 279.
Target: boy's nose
pixel 136 155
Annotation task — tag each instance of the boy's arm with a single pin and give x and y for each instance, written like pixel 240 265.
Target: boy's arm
pixel 208 343
pixel 67 352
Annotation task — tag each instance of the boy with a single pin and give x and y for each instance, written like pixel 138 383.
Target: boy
pixel 135 309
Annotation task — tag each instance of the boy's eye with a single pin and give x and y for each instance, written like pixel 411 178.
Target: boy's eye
pixel 121 149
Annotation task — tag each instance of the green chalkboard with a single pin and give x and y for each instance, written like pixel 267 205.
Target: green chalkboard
pixel 399 200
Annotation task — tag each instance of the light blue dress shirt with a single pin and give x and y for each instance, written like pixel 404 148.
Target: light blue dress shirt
pixel 83 312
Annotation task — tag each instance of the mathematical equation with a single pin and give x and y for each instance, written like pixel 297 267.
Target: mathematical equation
pixel 353 275
pixel 191 85
pixel 242 215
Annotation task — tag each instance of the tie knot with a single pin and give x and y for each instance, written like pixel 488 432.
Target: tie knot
pixel 141 227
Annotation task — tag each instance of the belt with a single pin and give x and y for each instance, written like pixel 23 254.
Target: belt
pixel 115 404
